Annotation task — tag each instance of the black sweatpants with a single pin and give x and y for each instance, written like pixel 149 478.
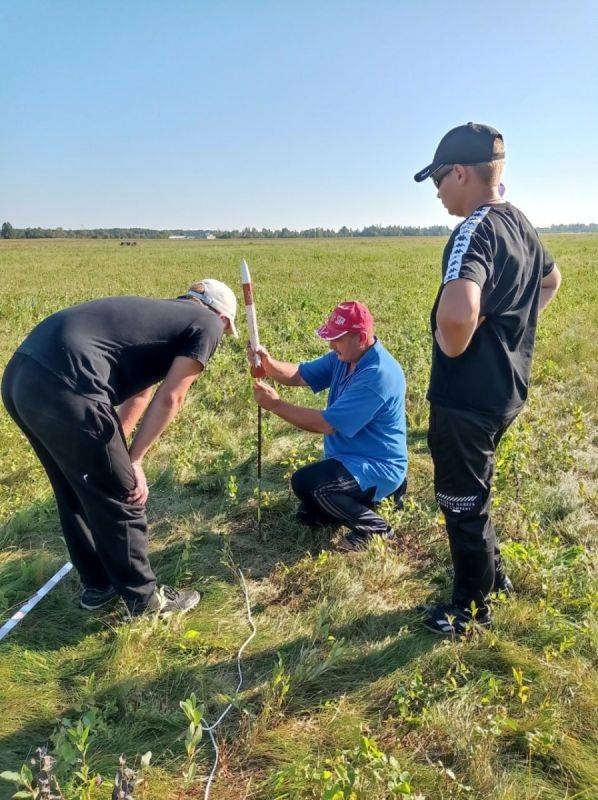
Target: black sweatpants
pixel 328 490
pixel 463 444
pixel 82 448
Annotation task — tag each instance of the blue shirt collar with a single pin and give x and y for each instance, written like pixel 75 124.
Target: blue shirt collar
pixel 368 357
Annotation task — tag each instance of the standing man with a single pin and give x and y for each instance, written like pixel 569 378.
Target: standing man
pixel 62 387
pixel 363 425
pixel 496 277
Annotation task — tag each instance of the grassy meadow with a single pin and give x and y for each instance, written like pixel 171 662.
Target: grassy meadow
pixel 345 695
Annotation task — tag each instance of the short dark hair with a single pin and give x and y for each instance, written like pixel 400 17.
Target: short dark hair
pixel 490 172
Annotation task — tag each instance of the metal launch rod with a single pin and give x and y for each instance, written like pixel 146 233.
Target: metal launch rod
pixel 259 472
pixel 254 341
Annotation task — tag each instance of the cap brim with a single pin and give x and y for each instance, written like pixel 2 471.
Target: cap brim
pixel 425 173
pixel 329 334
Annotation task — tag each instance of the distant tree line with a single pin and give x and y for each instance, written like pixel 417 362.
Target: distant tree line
pixel 575 227
pixel 8 232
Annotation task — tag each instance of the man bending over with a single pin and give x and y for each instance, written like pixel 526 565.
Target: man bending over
pixel 63 387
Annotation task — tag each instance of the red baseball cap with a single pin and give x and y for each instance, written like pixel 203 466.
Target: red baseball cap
pixel 349 317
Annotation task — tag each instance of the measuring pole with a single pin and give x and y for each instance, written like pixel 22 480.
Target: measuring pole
pixel 258 372
pixel 33 601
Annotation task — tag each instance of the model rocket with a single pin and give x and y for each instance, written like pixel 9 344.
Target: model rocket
pixel 254 339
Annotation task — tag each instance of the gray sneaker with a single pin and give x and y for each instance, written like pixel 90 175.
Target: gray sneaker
pixel 502 583
pixel 91 599
pixel 167 600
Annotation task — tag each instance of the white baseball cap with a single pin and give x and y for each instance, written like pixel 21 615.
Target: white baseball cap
pixel 219 296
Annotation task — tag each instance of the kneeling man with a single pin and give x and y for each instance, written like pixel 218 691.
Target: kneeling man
pixel 363 424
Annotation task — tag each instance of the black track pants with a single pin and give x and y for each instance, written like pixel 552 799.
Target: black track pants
pixel 463 445
pixel 328 489
pixel 83 451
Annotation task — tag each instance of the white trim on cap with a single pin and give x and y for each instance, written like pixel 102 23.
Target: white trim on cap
pixel 330 338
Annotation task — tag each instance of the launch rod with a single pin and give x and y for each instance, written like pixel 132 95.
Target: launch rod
pixel 257 371
pixel 259 472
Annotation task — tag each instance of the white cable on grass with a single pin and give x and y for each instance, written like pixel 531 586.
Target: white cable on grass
pixel 209 729
pixel 33 601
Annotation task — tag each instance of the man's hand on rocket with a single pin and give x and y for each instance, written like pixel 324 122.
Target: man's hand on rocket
pixel 263 370
pixel 265 395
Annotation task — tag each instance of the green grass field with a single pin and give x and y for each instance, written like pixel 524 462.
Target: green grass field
pixel 345 695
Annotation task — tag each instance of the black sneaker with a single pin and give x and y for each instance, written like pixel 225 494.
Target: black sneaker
pixel 167 600
pixel 502 583
pixel 357 543
pixel 91 599
pixel 449 620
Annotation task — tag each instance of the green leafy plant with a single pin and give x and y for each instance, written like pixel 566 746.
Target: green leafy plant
pixel 360 774
pixel 194 714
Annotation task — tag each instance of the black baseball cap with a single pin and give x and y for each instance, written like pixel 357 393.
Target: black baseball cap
pixel 467 144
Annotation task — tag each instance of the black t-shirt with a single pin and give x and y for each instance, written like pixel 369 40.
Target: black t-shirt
pixel 497 248
pixel 113 348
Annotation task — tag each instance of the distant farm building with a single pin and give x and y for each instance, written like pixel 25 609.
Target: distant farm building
pixel 192 236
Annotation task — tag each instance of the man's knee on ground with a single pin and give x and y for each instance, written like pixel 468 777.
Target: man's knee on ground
pixel 302 483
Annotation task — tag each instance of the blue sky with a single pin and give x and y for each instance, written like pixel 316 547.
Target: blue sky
pixel 231 114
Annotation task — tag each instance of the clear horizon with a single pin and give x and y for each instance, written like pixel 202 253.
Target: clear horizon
pixel 204 116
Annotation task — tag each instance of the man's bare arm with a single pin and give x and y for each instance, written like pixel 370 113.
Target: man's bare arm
pixel 458 316
pixel 308 419
pixel 131 410
pixel 165 405
pixel 549 287
pixel 281 371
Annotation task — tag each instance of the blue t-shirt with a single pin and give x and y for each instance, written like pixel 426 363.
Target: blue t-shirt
pixel 367 411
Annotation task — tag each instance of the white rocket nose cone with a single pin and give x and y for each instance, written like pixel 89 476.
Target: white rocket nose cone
pixel 245 276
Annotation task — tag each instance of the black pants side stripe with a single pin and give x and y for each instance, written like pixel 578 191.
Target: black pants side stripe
pixel 329 488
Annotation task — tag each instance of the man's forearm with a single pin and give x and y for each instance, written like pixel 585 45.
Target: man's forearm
pixel 546 296
pixel 131 410
pixel 161 412
pixel 284 372
pixel 308 419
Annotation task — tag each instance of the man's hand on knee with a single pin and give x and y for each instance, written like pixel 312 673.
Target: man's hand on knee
pixel 140 493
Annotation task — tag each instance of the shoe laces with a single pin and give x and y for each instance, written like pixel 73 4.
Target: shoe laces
pixel 169 592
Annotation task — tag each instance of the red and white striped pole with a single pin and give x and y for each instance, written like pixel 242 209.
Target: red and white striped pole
pixel 33 601
pixel 254 338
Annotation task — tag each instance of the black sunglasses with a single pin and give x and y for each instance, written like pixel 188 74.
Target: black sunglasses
pixel 440 174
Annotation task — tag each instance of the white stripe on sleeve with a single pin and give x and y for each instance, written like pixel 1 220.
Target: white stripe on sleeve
pixel 461 243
